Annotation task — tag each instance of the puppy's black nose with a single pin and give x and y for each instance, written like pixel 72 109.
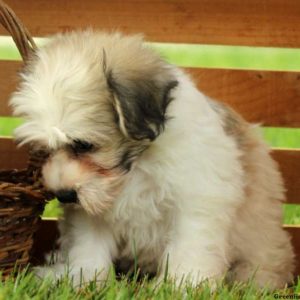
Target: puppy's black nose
pixel 66 196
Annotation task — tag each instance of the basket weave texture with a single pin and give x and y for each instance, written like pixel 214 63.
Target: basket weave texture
pixel 22 196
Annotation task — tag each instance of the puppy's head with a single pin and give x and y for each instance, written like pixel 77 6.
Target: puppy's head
pixel 95 101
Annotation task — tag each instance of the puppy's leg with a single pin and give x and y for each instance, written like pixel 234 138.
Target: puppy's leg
pixel 263 248
pixel 197 251
pixel 88 249
pixel 91 256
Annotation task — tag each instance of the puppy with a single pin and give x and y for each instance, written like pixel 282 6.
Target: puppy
pixel 149 168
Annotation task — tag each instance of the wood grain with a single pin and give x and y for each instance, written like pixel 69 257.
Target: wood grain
pixel 10 156
pixel 47 235
pixel 270 98
pixel 44 240
pixel 230 22
pixel 295 234
pixel 289 163
pixel 9 80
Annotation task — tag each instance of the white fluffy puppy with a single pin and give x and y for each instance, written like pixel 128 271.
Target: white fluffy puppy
pixel 148 166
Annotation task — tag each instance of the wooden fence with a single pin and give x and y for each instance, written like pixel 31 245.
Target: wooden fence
pixel 272 98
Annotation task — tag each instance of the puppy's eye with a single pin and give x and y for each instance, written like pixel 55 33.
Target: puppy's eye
pixel 79 146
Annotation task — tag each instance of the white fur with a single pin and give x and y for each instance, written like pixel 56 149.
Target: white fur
pixel 187 198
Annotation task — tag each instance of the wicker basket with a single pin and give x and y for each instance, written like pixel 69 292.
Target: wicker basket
pixel 22 196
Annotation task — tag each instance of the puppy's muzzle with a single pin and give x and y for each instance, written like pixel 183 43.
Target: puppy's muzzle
pixel 66 196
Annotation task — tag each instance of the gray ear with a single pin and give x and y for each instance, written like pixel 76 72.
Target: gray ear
pixel 140 105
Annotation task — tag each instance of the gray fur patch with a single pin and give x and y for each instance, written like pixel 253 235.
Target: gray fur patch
pixel 233 123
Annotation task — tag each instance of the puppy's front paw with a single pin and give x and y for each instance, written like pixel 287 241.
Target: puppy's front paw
pixel 182 280
pixel 54 272
pixel 77 276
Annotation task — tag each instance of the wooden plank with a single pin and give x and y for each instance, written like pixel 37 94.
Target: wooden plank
pixel 295 234
pixel 289 162
pixel 270 98
pixel 10 156
pixel 44 240
pixel 9 78
pixel 47 235
pixel 230 22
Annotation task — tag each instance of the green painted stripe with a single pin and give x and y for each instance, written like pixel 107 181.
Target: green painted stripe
pixel 205 56
pixel 9 51
pixel 231 57
pixel 282 137
pixel 8 124
pixel 276 137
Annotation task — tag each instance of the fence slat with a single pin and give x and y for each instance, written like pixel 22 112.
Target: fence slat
pixel 8 79
pixel 270 98
pixel 295 234
pixel 45 240
pixel 48 233
pixel 230 22
pixel 10 156
pixel 289 162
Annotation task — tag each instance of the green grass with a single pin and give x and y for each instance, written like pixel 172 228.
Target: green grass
pixel 26 286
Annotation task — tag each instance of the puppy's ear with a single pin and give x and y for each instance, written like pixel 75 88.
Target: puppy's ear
pixel 140 104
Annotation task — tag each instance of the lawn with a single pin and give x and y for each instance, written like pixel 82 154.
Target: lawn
pixel 28 287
